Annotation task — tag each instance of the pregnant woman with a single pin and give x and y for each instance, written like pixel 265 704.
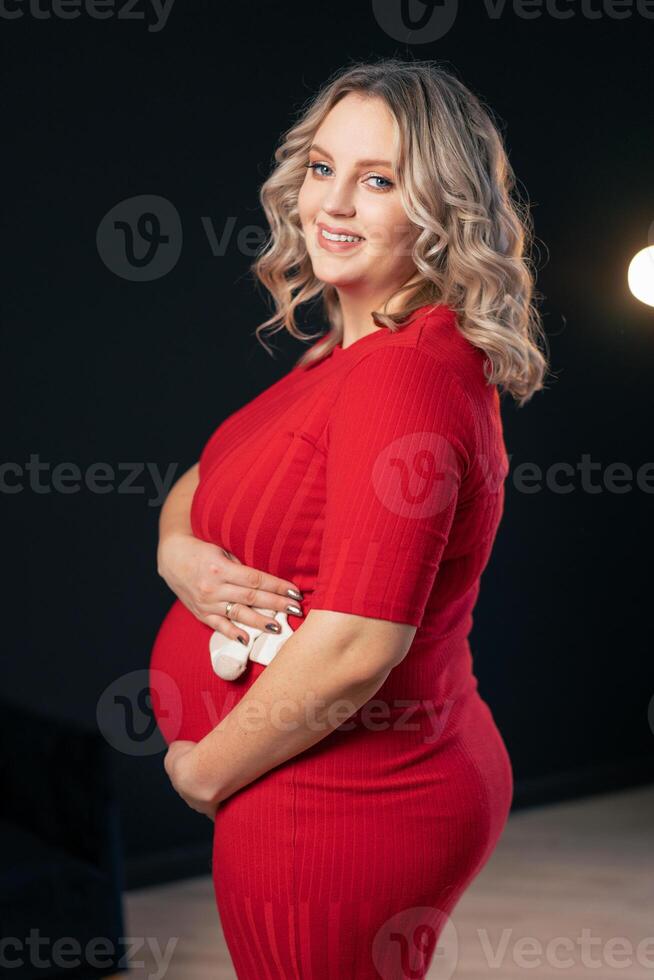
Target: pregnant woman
pixel 357 782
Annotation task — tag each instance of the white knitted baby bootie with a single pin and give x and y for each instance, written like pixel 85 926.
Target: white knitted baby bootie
pixel 229 658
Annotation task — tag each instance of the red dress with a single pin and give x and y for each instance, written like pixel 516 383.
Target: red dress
pixel 374 480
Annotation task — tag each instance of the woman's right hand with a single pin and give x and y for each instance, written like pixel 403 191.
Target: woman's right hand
pixel 204 577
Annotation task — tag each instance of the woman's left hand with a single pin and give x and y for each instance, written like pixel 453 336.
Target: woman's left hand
pixel 179 765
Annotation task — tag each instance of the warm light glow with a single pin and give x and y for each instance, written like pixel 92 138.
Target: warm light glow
pixel 641 275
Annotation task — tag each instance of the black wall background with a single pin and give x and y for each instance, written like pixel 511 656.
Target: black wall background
pixel 98 368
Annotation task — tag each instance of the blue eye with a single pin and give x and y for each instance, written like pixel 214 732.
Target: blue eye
pixel 318 166
pixel 389 183
pixel 314 166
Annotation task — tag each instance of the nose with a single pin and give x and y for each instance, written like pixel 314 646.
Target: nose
pixel 338 199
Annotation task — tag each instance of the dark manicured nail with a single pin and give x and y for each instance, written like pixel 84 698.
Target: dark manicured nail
pixel 294 594
pixel 295 610
pixel 273 627
pixel 242 640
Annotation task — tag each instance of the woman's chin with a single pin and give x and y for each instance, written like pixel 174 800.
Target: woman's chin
pixel 337 277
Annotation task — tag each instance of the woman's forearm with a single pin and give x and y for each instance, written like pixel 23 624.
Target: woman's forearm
pixel 175 515
pixel 308 689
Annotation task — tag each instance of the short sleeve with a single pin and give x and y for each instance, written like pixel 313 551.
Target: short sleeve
pixel 399 444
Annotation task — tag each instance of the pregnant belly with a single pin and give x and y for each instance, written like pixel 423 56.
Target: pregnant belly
pixel 188 698
pixel 436 778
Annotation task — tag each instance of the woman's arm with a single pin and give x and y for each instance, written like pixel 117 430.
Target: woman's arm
pixel 393 473
pixel 175 516
pixel 331 665
pixel 204 576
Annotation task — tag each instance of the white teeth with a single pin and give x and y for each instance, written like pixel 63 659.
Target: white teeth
pixel 340 238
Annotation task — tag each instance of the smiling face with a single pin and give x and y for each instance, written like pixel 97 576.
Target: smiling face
pixel 351 188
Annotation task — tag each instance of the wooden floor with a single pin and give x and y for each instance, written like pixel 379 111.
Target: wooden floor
pixel 558 870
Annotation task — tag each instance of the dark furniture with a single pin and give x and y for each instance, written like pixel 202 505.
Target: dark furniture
pixel 60 856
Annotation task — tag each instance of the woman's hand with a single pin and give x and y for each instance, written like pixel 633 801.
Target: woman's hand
pixel 205 577
pixel 178 763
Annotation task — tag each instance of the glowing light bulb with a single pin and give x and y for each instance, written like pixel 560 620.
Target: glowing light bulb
pixel 641 275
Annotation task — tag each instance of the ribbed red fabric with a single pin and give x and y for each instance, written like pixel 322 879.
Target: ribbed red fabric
pixel 374 479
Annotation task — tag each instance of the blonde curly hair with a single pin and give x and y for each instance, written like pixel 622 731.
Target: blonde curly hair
pixel 456 186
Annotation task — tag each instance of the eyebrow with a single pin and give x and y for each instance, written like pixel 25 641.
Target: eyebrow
pixel 358 163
